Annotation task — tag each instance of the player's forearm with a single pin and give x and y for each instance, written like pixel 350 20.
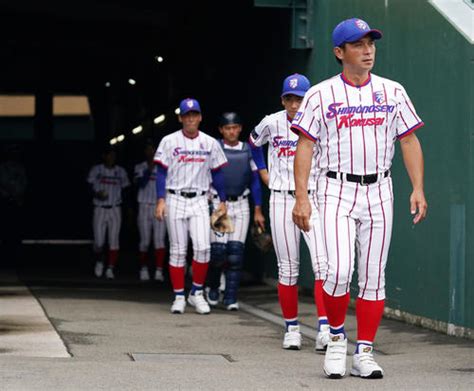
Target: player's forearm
pixel 413 159
pixel 302 166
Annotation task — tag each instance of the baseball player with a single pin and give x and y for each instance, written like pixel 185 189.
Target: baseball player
pixel 240 175
pixel 274 129
pixel 354 119
pixel 145 179
pixel 188 159
pixel 107 180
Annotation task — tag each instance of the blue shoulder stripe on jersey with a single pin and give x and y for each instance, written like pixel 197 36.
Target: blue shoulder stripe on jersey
pixel 303 132
pixel 411 130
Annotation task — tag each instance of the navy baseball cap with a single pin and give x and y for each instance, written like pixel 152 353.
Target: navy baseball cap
pixel 351 30
pixel 188 105
pixel 229 118
pixel 295 84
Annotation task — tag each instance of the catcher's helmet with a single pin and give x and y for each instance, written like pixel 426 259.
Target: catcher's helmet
pixel 229 118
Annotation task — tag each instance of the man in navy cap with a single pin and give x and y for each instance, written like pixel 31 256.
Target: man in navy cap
pixel 274 129
pixel 354 119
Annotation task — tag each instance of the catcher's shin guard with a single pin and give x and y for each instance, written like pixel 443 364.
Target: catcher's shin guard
pixel 218 259
pixel 235 256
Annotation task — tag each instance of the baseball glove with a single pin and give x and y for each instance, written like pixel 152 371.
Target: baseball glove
pixel 221 222
pixel 261 239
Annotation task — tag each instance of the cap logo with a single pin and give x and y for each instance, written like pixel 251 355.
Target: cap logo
pixel 293 83
pixel 362 25
pixel 190 103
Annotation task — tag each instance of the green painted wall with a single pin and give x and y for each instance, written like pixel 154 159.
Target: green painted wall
pixel 430 268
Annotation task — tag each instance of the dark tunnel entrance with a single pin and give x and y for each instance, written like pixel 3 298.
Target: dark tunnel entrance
pixel 133 62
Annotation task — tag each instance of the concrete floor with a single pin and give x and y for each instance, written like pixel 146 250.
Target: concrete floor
pixel 121 336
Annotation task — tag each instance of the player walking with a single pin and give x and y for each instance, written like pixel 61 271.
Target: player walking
pixel 107 180
pixel 187 159
pixel 145 179
pixel 227 249
pixel 275 130
pixel 354 118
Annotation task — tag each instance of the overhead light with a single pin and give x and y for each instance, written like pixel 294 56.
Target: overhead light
pixel 107 83
pixel 159 119
pixel 113 141
pixel 177 111
pixel 120 138
pixel 159 58
pixel 137 130
pixel 132 82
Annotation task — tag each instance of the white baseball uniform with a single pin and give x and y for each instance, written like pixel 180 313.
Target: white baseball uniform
pixel 355 128
pixel 107 213
pixel 146 220
pixel 275 130
pixel 189 163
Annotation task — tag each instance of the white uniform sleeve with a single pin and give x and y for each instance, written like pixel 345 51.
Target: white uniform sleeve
pixel 92 177
pixel 407 118
pixel 162 154
pixel 307 121
pixel 261 133
pixel 218 158
pixel 124 181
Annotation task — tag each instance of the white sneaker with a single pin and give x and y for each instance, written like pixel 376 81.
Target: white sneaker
pixel 144 274
pixel 364 365
pixel 335 359
pixel 179 304
pixel 199 302
pixel 292 339
pixel 233 307
pixel 99 269
pixel 109 273
pixel 159 275
pixel 322 338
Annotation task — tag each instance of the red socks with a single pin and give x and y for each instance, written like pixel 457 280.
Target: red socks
pixel 177 278
pixel 199 272
pixel 368 313
pixel 142 258
pixel 160 257
pixel 336 308
pixel 113 256
pixel 288 296
pixel 318 298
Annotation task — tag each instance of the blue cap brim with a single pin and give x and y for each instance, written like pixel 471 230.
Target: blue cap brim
pixel 374 33
pixel 295 92
pixel 188 111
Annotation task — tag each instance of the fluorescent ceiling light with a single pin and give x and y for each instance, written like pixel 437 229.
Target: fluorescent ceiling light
pixel 120 138
pixel 132 82
pixel 177 111
pixel 137 130
pixel 113 141
pixel 159 119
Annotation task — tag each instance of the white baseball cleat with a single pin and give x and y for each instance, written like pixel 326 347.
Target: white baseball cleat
pixel 199 302
pixel 322 338
pixel 99 269
pixel 179 304
pixel 335 359
pixel 159 275
pixel 364 365
pixel 109 273
pixel 292 339
pixel 233 307
pixel 144 274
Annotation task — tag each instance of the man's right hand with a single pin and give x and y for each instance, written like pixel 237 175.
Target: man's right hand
pixel 302 213
pixel 160 209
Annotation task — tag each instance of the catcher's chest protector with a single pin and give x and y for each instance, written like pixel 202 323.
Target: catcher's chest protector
pixel 237 173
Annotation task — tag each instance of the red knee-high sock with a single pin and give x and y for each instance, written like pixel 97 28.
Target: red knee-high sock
pixel 368 314
pixel 288 296
pixel 336 308
pixel 160 257
pixel 142 258
pixel 199 272
pixel 318 298
pixel 177 278
pixel 113 256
